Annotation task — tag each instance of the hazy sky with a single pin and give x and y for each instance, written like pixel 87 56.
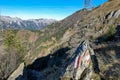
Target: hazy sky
pixel 55 9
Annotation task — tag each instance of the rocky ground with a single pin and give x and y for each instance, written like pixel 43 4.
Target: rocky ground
pixel 100 26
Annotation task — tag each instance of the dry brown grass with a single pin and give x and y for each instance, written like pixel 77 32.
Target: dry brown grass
pixel 105 9
pixel 26 34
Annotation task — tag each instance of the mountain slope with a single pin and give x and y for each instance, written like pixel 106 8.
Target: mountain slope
pixel 17 23
pixel 100 26
pixel 94 26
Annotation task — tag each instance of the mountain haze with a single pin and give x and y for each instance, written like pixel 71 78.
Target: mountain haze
pixel 17 23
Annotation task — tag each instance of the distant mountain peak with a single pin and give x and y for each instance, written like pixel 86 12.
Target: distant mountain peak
pixel 18 23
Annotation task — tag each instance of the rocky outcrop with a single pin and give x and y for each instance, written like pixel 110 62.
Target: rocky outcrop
pixel 17 72
pixel 59 65
pixel 110 15
pixel 117 13
pixel 113 14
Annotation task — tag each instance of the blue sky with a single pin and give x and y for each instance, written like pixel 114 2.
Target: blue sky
pixel 34 9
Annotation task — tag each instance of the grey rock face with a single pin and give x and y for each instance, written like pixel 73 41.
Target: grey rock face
pixel 113 14
pixel 117 13
pixel 110 15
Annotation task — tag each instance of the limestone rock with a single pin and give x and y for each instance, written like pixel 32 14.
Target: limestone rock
pixel 17 72
pixel 110 15
pixel 117 13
